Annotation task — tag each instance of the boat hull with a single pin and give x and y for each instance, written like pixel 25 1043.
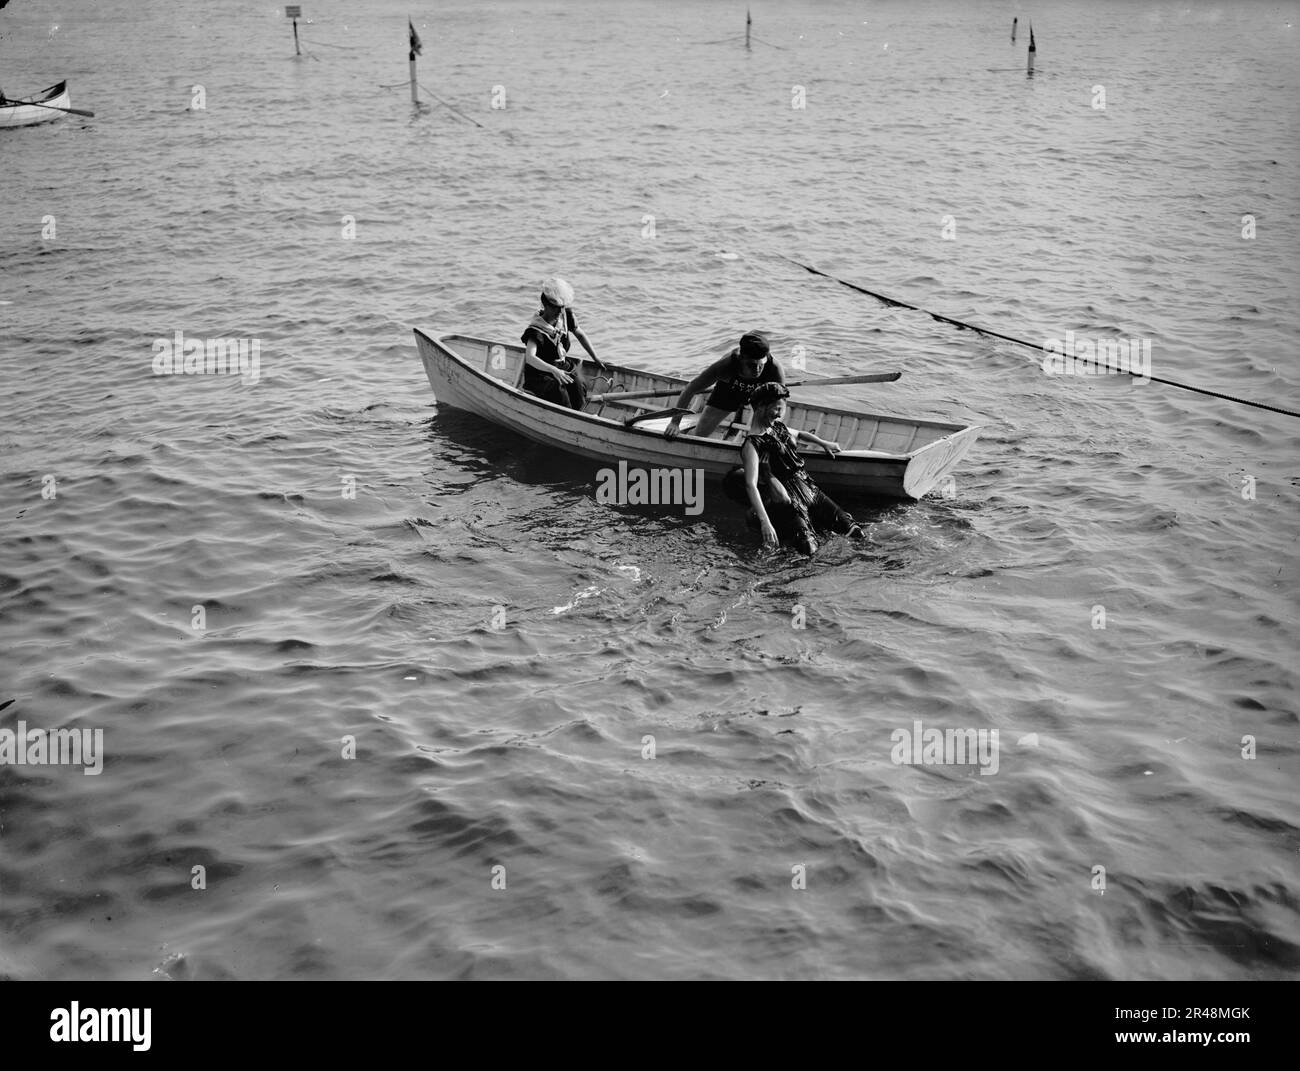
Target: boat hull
pixel 18 113
pixel 461 372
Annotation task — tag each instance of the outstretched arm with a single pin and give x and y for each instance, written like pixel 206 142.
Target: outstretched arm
pixel 749 455
pixel 698 385
pixel 831 448
pixel 703 381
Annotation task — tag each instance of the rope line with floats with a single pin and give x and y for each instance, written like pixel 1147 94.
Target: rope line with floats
pixel 962 325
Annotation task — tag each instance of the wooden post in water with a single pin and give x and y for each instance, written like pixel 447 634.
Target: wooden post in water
pixel 1013 29
pixel 748 21
pixel 415 50
pixel 1032 49
pixel 294 11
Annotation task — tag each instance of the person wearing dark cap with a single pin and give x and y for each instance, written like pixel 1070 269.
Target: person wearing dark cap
pixel 548 371
pixel 773 478
pixel 733 379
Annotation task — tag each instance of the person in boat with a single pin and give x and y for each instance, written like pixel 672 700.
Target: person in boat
pixel 733 379
pixel 774 481
pixel 548 371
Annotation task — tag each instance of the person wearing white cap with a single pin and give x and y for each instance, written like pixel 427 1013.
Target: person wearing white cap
pixel 548 371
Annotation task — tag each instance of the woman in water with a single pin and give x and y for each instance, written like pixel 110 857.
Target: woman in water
pixel 776 482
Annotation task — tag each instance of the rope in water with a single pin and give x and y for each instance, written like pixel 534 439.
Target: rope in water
pixel 326 44
pixel 453 109
pixel 734 38
pixel 963 325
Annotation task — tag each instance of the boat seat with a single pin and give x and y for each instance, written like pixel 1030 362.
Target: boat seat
pixel 659 424
pixel 631 403
pixel 734 430
pixel 509 373
pixel 635 405
pixel 649 405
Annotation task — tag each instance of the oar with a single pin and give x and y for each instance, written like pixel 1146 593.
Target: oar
pixel 828 381
pixel 52 107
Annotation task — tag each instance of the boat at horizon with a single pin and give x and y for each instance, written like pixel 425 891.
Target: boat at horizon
pixel 42 108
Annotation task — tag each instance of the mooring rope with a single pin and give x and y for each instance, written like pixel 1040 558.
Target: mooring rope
pixel 452 109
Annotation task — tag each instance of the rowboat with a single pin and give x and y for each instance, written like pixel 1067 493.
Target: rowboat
pixel 24 113
pixel 883 456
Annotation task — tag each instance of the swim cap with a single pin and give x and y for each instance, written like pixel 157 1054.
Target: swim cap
pixel 557 292
pixel 753 346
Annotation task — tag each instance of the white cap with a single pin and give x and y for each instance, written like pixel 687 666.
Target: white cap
pixel 557 291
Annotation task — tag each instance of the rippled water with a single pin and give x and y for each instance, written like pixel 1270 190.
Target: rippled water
pixel 522 747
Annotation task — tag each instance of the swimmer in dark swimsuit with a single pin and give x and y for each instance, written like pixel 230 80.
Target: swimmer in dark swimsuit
pixel 776 483
pixel 733 379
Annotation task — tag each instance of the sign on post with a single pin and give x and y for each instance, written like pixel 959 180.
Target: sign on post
pixel 294 11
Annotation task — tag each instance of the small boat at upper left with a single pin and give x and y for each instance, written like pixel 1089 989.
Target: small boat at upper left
pixel 28 112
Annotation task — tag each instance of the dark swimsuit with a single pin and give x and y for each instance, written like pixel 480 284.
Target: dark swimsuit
pixel 810 506
pixel 732 393
pixel 778 457
pixel 552 347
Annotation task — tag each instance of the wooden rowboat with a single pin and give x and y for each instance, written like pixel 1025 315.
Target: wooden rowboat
pixel 23 113
pixel 885 456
